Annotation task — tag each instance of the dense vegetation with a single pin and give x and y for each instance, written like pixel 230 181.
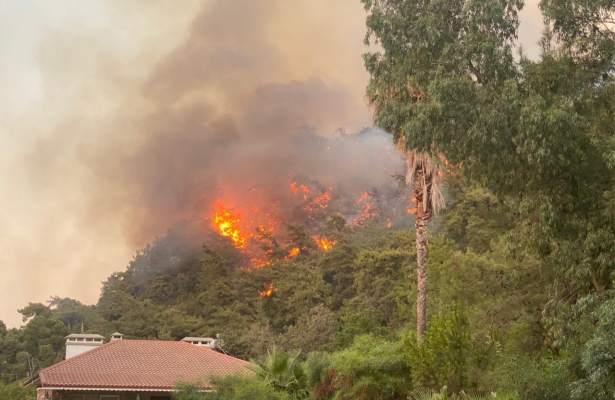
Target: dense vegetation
pixel 350 311
pixel 521 261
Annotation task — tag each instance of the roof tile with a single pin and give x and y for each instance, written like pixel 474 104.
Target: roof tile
pixel 142 364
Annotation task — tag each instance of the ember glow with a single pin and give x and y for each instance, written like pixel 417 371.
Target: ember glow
pixel 325 244
pixel 411 210
pixel 268 291
pixel 259 262
pixel 227 224
pixel 294 252
pixel 298 188
pixel 322 201
pixel 368 209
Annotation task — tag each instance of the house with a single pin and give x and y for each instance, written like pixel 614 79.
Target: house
pixel 133 369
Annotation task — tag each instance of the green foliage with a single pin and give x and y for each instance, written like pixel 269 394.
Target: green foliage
pixel 444 357
pixel 282 372
pixel 187 391
pixel 444 395
pixel 372 368
pixel 16 392
pixel 598 357
pixel 237 388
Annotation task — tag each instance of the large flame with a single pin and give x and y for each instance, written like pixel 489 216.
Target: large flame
pixel 255 221
pixel 227 224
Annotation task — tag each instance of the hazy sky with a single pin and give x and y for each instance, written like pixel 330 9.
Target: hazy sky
pixel 86 84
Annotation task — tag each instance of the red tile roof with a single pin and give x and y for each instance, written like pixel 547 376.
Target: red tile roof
pixel 142 364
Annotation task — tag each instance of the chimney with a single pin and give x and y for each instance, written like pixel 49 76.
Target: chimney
pixel 202 342
pixel 79 343
pixel 116 336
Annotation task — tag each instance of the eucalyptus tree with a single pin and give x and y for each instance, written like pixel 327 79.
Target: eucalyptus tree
pixel 432 64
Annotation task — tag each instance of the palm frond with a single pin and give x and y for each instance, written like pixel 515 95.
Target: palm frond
pixel 428 172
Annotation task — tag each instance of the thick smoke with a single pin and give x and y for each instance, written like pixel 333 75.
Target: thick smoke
pixel 132 116
pixel 122 118
pixel 223 122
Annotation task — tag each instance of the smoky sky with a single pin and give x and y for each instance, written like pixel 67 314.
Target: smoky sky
pixel 122 118
pixel 190 148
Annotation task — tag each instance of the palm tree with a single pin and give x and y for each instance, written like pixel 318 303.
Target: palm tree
pixel 283 372
pixel 424 175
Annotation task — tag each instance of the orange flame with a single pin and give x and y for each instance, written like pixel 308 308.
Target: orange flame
pixel 294 252
pixel 322 200
pixel 227 224
pixel 268 291
pixel 412 209
pixel 324 243
pixel 295 188
pixel 259 262
pixel 368 209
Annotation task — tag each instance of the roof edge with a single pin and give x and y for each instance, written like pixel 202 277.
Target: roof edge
pixel 115 389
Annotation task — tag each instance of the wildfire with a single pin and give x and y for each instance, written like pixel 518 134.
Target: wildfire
pixel 324 243
pixel 268 291
pixel 364 197
pixel 368 209
pixel 227 224
pixel 322 201
pixel 297 188
pixel 313 201
pixel 294 252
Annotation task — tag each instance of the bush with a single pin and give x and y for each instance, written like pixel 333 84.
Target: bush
pixel 372 368
pixel 239 388
pixel 442 359
pixel 15 391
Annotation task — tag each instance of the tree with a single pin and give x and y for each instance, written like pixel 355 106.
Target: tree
pixel 598 358
pixel 283 372
pixel 429 50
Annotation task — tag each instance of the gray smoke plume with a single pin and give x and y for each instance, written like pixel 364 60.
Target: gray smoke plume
pixel 221 123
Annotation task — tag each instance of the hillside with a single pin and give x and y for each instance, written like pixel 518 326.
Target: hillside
pixel 318 301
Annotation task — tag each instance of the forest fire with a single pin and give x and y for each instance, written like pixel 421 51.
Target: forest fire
pixel 322 200
pixel 268 226
pixel 368 209
pixel 297 188
pixel 227 224
pixel 325 244
pixel 268 291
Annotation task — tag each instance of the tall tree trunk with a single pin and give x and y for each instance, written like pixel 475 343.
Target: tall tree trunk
pixel 422 187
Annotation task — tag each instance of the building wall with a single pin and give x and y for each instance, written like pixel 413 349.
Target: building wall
pixel 74 349
pixel 74 395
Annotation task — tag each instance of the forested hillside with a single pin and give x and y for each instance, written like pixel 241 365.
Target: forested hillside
pixel 487 294
pixel 511 176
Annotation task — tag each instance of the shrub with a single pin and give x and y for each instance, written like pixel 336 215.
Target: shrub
pixel 15 391
pixel 372 368
pixel 442 358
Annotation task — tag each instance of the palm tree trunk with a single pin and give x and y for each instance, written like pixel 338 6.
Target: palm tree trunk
pixel 423 215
